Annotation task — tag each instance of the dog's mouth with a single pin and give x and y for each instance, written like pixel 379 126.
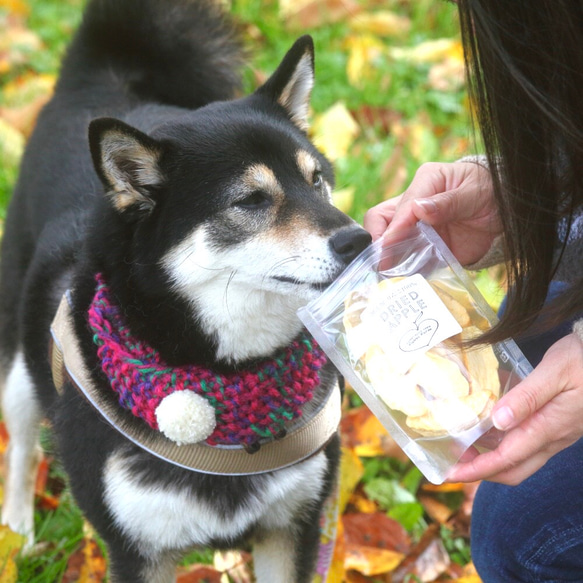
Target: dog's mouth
pixel 318 286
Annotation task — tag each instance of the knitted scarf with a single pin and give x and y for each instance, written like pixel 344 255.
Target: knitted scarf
pixel 249 405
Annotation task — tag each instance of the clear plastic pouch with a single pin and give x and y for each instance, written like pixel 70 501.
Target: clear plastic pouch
pixel 395 325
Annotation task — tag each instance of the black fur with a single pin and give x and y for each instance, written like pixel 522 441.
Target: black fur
pixel 163 73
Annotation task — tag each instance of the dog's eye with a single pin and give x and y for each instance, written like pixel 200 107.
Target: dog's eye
pixel 255 200
pixel 317 179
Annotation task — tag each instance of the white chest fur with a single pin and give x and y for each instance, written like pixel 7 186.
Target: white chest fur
pixel 161 519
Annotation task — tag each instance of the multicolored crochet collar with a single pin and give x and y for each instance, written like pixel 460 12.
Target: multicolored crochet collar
pixel 241 408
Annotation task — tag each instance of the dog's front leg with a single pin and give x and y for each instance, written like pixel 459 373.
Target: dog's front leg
pixel 22 416
pixel 274 558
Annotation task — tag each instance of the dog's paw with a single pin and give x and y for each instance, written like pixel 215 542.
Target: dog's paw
pixel 185 417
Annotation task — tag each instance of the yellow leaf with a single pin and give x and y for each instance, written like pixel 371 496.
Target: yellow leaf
pixel 11 144
pixel 94 566
pixel 334 131
pixel 381 23
pixel 15 7
pixel 351 470
pixel 10 544
pixel 363 53
pixel 370 560
pixel 344 198
pixel 430 51
pixel 27 88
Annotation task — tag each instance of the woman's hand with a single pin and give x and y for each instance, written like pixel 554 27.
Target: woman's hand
pixel 542 415
pixel 456 199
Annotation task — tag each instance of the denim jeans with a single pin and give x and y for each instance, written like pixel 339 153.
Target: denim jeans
pixel 533 532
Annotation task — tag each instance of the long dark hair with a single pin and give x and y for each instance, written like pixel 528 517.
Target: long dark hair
pixel 525 77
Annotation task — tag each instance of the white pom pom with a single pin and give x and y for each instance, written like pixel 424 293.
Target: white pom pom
pixel 185 417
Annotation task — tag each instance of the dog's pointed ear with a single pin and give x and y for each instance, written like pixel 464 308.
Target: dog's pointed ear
pixel 292 83
pixel 127 161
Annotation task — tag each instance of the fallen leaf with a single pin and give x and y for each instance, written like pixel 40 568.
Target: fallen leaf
pixel 366 435
pixel 380 23
pixel 445 487
pixel 24 117
pixel 26 88
pixel 351 470
pixel 375 530
pixel 314 13
pixel 427 560
pixel 234 566
pixel 11 144
pixel 447 76
pixel 198 574
pixel 379 118
pixel 10 545
pixel 334 131
pixel 4 437
pixel 361 503
pixel 16 43
pixel 364 51
pixel 86 565
pixel 430 51
pixel 371 561
pixel 18 7
pixel 437 510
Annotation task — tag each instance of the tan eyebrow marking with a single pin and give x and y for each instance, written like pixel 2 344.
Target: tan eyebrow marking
pixel 261 177
pixel 307 164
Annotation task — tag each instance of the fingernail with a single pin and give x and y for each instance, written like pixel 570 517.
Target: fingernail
pixel 427 205
pixel 503 418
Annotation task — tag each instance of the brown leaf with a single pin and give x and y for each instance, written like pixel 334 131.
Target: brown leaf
pixel 314 13
pixel 380 118
pixel 427 560
pixel 199 574
pixel 86 565
pixel 375 530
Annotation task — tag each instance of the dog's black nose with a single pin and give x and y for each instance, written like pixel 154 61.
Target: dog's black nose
pixel 349 242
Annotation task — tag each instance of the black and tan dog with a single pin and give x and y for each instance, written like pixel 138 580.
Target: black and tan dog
pixel 209 221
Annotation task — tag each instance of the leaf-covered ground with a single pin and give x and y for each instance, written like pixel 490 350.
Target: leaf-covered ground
pixel 389 96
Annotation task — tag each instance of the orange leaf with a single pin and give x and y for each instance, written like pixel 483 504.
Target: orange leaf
pixel 86 564
pixel 18 7
pixel 4 437
pixel 363 504
pixel 371 561
pixel 364 433
pixel 41 476
pixel 437 510
pixel 47 502
pixel 446 487
pixel 199 574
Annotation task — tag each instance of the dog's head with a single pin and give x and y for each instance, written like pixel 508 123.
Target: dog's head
pixel 232 203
